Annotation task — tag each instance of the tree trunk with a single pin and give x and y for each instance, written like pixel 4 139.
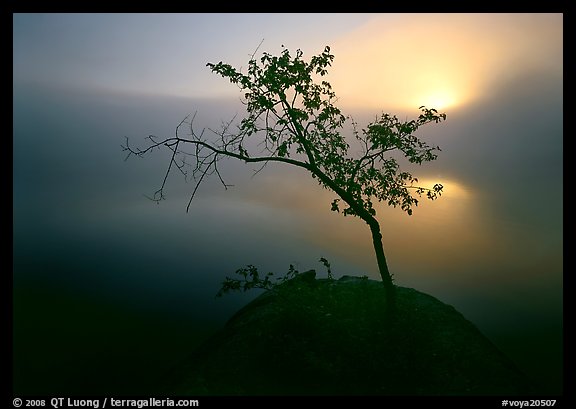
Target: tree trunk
pixel 357 206
pixel 389 288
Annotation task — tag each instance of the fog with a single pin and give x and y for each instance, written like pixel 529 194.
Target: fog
pixel 492 245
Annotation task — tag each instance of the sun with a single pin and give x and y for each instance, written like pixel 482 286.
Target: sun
pixel 438 100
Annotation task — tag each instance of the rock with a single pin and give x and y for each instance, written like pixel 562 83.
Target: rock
pixel 328 337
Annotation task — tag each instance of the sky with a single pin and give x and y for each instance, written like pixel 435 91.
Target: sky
pixel 92 254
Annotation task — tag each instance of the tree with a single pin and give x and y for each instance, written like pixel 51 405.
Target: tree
pixel 291 114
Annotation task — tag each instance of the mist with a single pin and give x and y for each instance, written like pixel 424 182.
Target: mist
pixel 86 239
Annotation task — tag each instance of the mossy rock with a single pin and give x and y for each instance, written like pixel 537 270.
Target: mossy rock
pixel 334 337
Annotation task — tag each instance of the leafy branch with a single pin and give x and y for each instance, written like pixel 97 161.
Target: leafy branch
pixel 251 278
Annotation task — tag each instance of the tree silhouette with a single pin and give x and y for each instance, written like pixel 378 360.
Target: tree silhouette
pixel 291 118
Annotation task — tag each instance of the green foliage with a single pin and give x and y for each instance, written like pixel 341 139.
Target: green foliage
pixel 293 112
pixel 251 278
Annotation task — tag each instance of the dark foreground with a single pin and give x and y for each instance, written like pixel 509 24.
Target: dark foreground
pixel 334 337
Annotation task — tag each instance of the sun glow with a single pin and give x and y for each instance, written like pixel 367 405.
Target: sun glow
pixel 403 61
pixel 438 100
pixel 451 190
